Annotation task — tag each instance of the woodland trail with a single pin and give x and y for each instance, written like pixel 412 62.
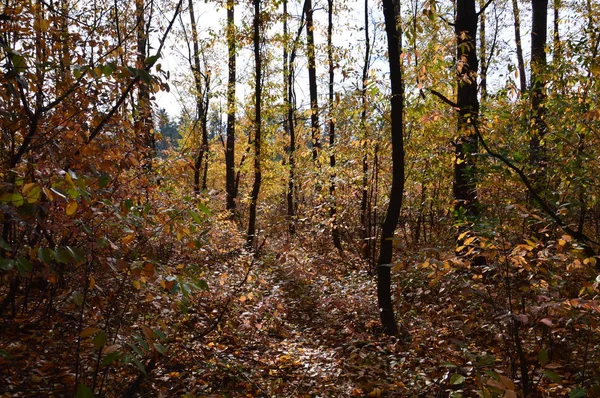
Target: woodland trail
pixel 303 329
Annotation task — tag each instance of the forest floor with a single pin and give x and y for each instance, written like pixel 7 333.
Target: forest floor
pixel 296 320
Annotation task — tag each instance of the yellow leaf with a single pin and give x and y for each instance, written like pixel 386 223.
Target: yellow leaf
pixel 242 299
pixel 71 208
pixel 92 282
pixel 129 238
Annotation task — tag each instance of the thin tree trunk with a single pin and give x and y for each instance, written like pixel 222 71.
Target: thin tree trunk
pixel 365 212
pixel 144 111
pixel 384 263
pixel 312 81
pixel 251 235
pixel 335 233
pixel 482 51
pixel 290 102
pixel 201 95
pixel 230 144
pixel 520 59
pixel 538 64
pixel 466 144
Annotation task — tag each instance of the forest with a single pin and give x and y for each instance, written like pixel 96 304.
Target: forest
pixel 300 198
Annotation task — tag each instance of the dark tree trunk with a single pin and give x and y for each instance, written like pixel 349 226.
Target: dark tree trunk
pixel 201 95
pixel 466 145
pixel 290 102
pixel 539 25
pixel 384 263
pixel 230 144
pixel 335 233
pixel 482 51
pixel 365 211
pixel 287 120
pixel 251 235
pixel 144 111
pixel 312 81
pixel 520 60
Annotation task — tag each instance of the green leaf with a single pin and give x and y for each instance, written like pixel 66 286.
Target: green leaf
pixel 6 264
pixel 136 349
pixel 144 75
pixel 99 339
pixel 578 393
pixel 77 254
pixel 14 198
pixel 24 266
pixel 77 298
pixel 5 245
pixel 18 62
pixel 543 356
pixel 110 358
pixel 555 377
pixel 44 255
pixel 204 209
pixel 62 255
pixel 457 379
pixel 104 180
pixel 84 391
pixel 151 60
pixel 139 365
pixel 160 348
pixel 195 216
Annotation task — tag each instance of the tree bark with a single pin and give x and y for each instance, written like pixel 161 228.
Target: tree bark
pixel 230 144
pixel 466 145
pixel 144 111
pixel 251 235
pixel 312 81
pixel 335 233
pixel 384 263
pixel 520 60
pixel 365 211
pixel 201 95
pixel 539 27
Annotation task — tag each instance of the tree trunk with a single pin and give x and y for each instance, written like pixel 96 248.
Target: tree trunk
pixel 144 111
pixel 201 95
pixel 335 233
pixel 384 263
pixel 365 211
pixel 312 81
pixel 539 26
pixel 520 60
pixel 482 51
pixel 230 144
pixel 250 237
pixel 466 145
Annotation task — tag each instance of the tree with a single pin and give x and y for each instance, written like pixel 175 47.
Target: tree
pixel 143 121
pixel 335 233
pixel 251 235
pixel 520 61
pixel 465 144
pixel 201 94
pixel 537 154
pixel 231 102
pixel 312 80
pixel 384 262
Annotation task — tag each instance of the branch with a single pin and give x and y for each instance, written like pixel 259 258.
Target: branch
pixel 447 22
pixel 444 98
pixel 484 7
pixel 581 237
pixel 130 86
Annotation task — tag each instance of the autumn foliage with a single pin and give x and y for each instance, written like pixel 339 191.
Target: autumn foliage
pixel 125 268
